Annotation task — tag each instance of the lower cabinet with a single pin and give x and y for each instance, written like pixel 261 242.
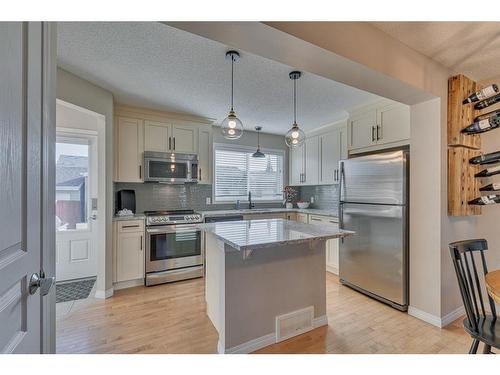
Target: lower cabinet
pixel 128 250
pixel 291 216
pixel 302 218
pixel 332 246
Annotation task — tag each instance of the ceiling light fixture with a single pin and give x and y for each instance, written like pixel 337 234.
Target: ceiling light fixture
pixel 295 136
pixel 231 127
pixel 258 153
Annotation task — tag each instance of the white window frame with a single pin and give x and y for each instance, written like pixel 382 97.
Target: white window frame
pixel 236 147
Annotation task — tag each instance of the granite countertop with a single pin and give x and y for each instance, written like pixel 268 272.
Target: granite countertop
pixel 131 217
pixel 312 211
pixel 256 234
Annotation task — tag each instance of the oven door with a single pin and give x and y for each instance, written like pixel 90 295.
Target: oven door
pixel 166 170
pixel 173 246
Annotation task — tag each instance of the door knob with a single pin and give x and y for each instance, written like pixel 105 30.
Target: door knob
pixel 42 282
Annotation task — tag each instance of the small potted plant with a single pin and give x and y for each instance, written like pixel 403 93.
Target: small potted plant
pixel 289 194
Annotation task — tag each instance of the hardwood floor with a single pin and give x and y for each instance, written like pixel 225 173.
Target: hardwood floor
pixel 171 318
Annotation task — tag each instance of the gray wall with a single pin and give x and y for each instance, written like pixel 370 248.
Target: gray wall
pixel 75 90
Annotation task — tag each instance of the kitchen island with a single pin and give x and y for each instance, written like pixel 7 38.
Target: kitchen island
pixel 265 280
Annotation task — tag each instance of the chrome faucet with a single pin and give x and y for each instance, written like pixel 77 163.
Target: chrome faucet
pixel 250 204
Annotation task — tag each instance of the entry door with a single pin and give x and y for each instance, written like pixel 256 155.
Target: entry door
pixel 21 155
pixel 76 206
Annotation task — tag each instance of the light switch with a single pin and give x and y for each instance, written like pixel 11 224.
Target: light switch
pixel 208 200
pixel 312 199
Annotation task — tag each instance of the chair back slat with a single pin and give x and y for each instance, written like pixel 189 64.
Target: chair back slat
pixel 478 285
pixel 470 282
pixel 471 289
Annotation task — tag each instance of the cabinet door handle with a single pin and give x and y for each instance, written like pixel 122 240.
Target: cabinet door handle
pixel 373 133
pixel 169 143
pixel 174 143
pixel 140 171
pixel 130 226
pixel 141 242
pixel 314 219
pixel 199 177
pixel 378 134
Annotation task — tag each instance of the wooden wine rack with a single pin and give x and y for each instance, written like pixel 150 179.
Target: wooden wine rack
pixel 462 185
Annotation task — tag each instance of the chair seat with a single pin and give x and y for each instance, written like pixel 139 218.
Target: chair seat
pixel 488 330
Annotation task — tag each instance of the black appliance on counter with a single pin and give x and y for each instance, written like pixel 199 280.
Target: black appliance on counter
pixel 125 199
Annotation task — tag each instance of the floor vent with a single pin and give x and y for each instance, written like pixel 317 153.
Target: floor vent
pixel 294 323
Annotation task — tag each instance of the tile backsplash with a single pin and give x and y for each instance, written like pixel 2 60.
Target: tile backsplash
pixel 152 196
pixel 325 196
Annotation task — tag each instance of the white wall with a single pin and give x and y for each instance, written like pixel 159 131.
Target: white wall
pixel 75 90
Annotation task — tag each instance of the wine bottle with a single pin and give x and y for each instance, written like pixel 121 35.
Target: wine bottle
pixel 488 114
pixel 489 171
pixel 491 187
pixel 485 200
pixel 492 157
pixel 481 94
pixel 487 102
pixel 482 126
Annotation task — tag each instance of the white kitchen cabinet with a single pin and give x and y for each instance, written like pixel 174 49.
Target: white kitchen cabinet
pixel 291 216
pixel 164 137
pixel 156 136
pixel 394 123
pixel 362 128
pixel 332 246
pixel 184 138
pixel 297 165
pixel 129 145
pixel 128 250
pixel 332 146
pixel 302 218
pixel 311 171
pixel 379 126
pixel 205 154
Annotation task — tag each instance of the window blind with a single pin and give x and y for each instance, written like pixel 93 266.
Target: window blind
pixel 237 173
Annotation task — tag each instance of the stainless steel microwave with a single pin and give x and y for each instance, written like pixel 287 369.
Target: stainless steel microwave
pixel 170 168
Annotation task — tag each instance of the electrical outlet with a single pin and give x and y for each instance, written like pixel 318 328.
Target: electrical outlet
pixel 208 200
pixel 312 199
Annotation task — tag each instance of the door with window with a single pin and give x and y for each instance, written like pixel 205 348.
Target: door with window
pixel 76 206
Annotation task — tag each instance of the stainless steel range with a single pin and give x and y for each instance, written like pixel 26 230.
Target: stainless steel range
pixel 173 246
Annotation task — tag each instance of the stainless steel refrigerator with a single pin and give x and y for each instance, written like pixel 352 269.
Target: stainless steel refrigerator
pixel 373 202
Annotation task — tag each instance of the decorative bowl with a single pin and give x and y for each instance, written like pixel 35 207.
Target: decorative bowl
pixel 302 204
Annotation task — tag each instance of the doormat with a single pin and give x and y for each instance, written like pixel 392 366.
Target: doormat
pixel 73 290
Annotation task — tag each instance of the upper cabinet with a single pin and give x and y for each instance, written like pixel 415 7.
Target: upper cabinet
pixel 138 130
pixel 163 137
pixel 129 146
pixel 316 161
pixel 205 142
pixel 385 124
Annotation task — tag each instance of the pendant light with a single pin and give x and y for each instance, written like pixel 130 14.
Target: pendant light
pixel 295 136
pixel 258 153
pixel 231 127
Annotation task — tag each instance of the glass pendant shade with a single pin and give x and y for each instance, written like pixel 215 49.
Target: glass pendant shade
pixel 231 127
pixel 295 136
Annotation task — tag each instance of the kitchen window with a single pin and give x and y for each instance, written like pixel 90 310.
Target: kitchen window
pixel 236 173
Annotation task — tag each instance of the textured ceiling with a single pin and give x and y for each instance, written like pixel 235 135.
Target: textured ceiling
pixel 158 66
pixel 471 48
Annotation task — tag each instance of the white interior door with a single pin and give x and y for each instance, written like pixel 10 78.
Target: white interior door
pixel 21 158
pixel 76 206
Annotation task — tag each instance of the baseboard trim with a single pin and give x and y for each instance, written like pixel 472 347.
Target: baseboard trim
pixel 128 284
pixel 332 269
pixel 103 294
pixel 266 340
pixel 436 320
pixel 451 317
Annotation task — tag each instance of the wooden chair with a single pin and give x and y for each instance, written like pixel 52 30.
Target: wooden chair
pixel 481 326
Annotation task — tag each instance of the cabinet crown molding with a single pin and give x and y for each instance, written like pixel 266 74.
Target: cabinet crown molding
pixel 156 115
